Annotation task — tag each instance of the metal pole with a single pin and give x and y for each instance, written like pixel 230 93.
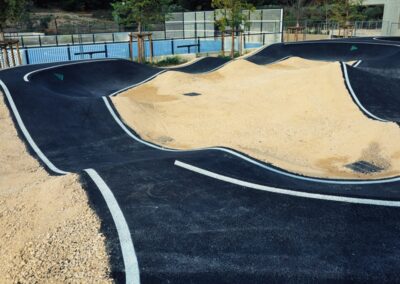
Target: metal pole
pixel 27 55
pixel 195 24
pixel 183 22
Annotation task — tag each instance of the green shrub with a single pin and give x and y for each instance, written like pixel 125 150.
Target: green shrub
pixel 170 60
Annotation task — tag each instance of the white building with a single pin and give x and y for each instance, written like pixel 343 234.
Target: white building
pixel 391 15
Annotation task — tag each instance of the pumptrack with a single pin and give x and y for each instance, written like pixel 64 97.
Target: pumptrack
pixel 214 215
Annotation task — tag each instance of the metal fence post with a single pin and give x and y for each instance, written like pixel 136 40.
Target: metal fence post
pixel 183 23
pixel 27 56
pixel 172 46
pixel 106 49
pixel 40 41
pixel 69 52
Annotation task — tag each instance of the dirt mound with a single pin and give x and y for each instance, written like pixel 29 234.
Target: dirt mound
pixel 48 232
pixel 295 114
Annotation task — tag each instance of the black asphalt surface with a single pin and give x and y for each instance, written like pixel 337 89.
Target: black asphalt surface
pixel 190 228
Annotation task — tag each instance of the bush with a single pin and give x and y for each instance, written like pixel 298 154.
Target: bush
pixel 170 60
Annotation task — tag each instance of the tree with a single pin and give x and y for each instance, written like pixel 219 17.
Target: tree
pixel 12 12
pixel 344 11
pixel 140 12
pixel 231 14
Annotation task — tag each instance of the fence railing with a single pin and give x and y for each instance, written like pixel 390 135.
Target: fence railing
pixel 331 29
pixel 161 47
pixel 176 25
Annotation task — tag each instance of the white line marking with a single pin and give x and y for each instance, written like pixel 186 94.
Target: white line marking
pixel 137 84
pixel 346 76
pixel 28 137
pixel 366 201
pixel 27 75
pixel 357 63
pixel 250 160
pixel 124 235
pixel 362 42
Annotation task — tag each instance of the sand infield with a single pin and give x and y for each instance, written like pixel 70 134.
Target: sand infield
pixel 48 232
pixel 296 114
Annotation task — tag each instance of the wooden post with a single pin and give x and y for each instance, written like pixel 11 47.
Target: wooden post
pixel 1 58
pixel 6 61
pixel 139 43
pixel 19 55
pixel 12 54
pixel 233 45
pixel 223 43
pixel 151 48
pixel 240 43
pixel 131 46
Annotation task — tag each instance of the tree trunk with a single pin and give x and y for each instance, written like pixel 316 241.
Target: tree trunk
pixel 140 43
pixel 233 45
pixel 1 34
pixel 223 43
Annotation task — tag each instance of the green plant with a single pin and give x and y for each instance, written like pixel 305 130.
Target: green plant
pixel 45 21
pixel 170 60
pixel 231 14
pixel 348 11
pixel 140 12
pixel 12 11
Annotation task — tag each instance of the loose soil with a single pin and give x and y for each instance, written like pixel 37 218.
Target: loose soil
pixel 48 232
pixel 296 114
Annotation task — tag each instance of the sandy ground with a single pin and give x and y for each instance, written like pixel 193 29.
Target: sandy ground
pixel 48 232
pixel 296 114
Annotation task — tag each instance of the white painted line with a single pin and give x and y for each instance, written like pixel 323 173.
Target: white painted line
pixel 128 252
pixel 27 75
pixel 137 84
pixel 357 63
pixel 361 42
pixel 346 76
pixel 366 201
pixel 28 137
pixel 124 235
pixel 245 158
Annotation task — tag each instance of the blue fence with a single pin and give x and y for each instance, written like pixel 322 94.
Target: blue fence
pixel 35 55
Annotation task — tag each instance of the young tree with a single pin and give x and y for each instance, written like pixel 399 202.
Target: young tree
pixel 345 11
pixel 232 14
pixel 140 12
pixel 12 12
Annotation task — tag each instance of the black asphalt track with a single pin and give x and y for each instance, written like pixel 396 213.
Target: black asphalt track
pixel 191 228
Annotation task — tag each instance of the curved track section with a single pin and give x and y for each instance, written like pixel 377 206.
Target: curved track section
pixel 211 220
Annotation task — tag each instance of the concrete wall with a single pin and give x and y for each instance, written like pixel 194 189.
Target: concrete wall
pixel 391 15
